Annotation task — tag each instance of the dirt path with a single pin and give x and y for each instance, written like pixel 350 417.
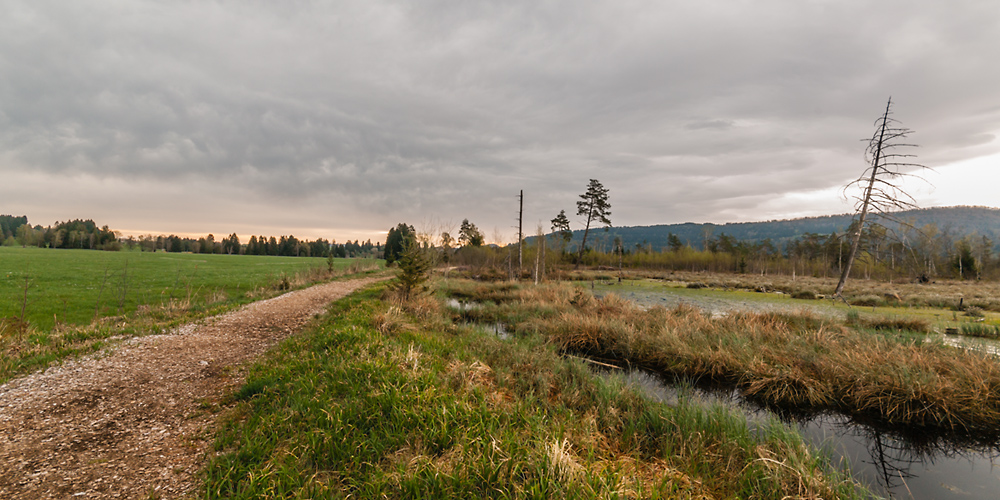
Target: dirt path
pixel 133 422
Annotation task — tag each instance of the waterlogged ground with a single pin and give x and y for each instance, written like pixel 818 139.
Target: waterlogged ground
pixel 672 294
pixel 890 463
pixel 887 462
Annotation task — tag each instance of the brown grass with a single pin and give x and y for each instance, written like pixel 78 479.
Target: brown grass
pixel 791 360
pixel 946 293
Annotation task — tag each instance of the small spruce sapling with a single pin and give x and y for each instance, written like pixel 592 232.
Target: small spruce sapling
pixel 414 266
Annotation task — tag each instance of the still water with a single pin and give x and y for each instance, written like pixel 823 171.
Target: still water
pixel 892 463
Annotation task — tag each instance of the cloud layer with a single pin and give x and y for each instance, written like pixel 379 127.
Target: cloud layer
pixel 316 118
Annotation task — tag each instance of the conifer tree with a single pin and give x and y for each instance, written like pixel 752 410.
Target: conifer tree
pixel 594 206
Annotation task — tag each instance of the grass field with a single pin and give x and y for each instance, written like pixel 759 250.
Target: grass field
pixel 73 300
pixel 76 286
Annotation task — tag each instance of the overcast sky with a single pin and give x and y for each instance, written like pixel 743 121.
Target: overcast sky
pixel 341 119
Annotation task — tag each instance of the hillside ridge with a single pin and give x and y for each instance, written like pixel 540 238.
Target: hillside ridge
pixel 956 221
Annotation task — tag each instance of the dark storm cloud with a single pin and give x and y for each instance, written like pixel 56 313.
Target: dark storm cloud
pixel 390 110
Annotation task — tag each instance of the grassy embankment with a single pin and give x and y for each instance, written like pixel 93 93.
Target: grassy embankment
pixel 381 399
pixel 72 300
pixel 799 361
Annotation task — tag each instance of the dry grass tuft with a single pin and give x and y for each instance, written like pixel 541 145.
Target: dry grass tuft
pixel 562 460
pixel 392 320
pixel 636 476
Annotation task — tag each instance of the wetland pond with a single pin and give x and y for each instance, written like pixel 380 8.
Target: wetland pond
pixel 896 463
pixel 497 329
pixel 893 462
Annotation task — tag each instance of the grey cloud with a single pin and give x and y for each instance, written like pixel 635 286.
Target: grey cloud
pixel 449 108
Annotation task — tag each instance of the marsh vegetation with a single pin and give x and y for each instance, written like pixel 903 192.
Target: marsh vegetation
pixel 393 398
pixel 892 400
pixel 880 369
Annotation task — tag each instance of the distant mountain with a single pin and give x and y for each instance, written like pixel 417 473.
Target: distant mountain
pixel 958 221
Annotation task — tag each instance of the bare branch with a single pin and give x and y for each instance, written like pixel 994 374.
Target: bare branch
pixel 881 192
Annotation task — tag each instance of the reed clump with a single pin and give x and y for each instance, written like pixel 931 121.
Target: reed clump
pixel 890 323
pixel 980 330
pixel 796 361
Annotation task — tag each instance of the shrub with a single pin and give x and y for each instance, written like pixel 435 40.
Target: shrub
pixel 866 301
pixel 973 312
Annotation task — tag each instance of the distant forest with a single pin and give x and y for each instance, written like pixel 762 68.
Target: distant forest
pixel 954 222
pixel 957 242
pixel 84 234
pixel 934 242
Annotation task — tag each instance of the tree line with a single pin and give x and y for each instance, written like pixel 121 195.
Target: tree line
pixel 73 234
pixel 902 251
pixel 911 253
pixel 85 234
pixel 284 246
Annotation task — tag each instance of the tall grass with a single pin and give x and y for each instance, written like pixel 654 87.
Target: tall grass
pixel 387 399
pixel 791 360
pixel 980 330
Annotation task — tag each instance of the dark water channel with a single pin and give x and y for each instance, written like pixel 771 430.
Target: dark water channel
pixel 891 462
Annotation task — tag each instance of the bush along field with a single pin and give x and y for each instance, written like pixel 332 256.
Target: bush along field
pixel 796 361
pixel 392 398
pixel 58 303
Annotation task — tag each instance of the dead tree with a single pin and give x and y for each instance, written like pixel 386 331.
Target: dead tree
pixel 880 182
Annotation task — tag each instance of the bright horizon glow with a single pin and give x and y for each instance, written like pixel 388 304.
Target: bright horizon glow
pixel 360 235
pixel 971 182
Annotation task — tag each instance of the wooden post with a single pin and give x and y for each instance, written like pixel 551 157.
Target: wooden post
pixel 520 234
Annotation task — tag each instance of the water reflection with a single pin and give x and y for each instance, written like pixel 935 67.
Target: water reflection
pixel 497 329
pixel 903 463
pixel 463 306
pixel 978 344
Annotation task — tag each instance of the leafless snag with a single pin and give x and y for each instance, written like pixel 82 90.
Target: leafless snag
pixel 880 182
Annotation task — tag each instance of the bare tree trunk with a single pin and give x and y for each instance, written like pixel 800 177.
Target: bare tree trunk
pixel 621 253
pixel 583 244
pixel 540 256
pixel 520 234
pixel 864 204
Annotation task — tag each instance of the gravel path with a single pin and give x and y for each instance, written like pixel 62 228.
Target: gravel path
pixel 135 420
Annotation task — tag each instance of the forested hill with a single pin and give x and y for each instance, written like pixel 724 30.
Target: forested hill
pixel 955 221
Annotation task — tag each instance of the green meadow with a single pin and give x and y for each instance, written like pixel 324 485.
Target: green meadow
pixel 76 286
pixel 56 304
